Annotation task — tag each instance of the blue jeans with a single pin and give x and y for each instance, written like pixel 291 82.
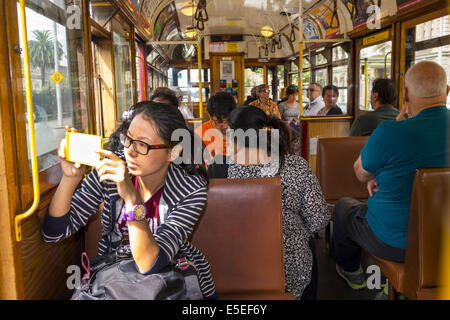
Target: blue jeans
pixel 351 234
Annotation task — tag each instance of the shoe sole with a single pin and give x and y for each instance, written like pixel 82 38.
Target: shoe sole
pixel 350 284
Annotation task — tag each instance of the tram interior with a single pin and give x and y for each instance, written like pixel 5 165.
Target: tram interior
pixel 90 60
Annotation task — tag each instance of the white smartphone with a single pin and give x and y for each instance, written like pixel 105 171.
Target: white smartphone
pixel 81 147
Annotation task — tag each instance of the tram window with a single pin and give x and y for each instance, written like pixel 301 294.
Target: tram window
pixel 306 63
pixel 339 54
pixel 194 83
pixel 253 76
pixel 122 63
pixel 101 12
pixel 280 75
pixel 340 75
pixel 321 76
pixel 374 62
pixel 429 41
pixel 320 59
pixel 58 77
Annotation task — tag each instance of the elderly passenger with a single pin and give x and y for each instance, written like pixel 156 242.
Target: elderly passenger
pixel 387 164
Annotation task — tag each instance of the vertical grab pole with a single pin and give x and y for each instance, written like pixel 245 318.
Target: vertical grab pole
pixel 31 134
pixel 366 84
pixel 300 56
pixel 200 85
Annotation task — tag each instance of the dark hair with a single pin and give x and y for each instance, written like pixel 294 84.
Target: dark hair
pixel 291 90
pixel 221 104
pixel 387 91
pixel 167 119
pixel 330 87
pixel 166 94
pixel 250 117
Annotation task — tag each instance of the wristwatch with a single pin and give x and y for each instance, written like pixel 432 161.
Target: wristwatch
pixel 137 213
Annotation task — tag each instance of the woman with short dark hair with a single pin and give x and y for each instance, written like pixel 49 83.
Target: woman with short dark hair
pixel 330 96
pixel 304 209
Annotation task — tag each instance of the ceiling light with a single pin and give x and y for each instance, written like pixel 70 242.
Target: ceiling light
pixel 267 31
pixel 190 32
pixel 188 8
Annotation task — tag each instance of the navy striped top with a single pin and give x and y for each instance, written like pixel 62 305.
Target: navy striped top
pixel 180 207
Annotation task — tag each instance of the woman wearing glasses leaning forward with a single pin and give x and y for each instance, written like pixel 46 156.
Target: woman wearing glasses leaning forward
pixel 147 197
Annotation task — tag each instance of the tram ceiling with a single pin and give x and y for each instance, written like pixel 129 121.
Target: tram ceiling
pixel 234 17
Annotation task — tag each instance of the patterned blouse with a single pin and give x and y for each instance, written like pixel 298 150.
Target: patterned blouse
pixel 270 107
pixel 305 212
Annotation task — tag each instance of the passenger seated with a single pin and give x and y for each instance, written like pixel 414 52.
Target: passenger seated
pixel 252 97
pixel 141 176
pixel 265 103
pixel 304 208
pixel 314 94
pixel 330 96
pixel 383 98
pixel 387 164
pixel 184 109
pixel 213 132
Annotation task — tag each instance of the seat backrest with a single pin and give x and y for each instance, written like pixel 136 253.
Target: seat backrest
pixel 240 233
pixel 335 159
pixel 430 209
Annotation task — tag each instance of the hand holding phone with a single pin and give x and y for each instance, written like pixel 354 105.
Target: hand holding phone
pixel 82 148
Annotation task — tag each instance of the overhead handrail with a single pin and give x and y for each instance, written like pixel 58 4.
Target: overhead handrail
pixel 31 134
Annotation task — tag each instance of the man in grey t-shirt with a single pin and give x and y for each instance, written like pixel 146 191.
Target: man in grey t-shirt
pixel 383 98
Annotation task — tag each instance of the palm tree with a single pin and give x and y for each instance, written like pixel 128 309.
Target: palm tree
pixel 41 51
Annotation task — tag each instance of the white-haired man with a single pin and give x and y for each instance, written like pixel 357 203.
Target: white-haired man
pixel 387 164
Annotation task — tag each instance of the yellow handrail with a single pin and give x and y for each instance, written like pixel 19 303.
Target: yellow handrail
pixel 31 136
pixel 385 63
pixel 366 77
pixel 200 84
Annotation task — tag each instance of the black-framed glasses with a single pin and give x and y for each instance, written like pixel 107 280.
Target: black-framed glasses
pixel 265 90
pixel 219 121
pixel 140 146
pixel 311 89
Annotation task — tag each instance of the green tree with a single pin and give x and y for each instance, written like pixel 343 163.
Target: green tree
pixel 42 52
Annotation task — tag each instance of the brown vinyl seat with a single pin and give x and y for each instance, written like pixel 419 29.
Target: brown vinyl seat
pixel 335 159
pixel 240 233
pixel 419 277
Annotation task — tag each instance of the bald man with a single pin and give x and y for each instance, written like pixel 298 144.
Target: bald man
pixel 387 164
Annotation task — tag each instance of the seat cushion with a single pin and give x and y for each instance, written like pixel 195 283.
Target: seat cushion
pixel 394 271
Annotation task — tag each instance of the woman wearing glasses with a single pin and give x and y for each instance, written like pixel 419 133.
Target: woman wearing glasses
pixel 265 103
pixel 147 198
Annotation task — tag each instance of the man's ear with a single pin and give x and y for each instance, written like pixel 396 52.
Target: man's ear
pixel 175 152
pixel 448 90
pixel 405 95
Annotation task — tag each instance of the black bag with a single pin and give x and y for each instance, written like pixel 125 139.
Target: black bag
pixel 116 277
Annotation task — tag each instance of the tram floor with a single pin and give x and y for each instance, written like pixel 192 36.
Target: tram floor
pixel 330 285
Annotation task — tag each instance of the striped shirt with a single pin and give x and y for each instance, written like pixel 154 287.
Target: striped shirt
pixel 180 207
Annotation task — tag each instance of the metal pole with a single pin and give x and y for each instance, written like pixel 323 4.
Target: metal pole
pixel 200 86
pixel 366 79
pixel 300 56
pixel 58 87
